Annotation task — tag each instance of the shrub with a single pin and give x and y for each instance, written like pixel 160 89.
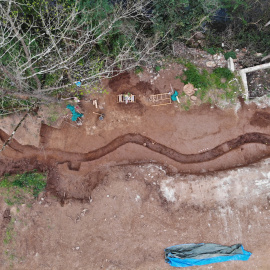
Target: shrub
pixel 211 50
pixel 138 69
pixel 194 76
pixel 157 68
pixel 231 54
pixel 223 73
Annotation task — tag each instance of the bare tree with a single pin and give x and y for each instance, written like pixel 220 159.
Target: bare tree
pixel 55 46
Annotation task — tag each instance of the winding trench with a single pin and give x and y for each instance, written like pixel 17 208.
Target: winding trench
pixel 59 156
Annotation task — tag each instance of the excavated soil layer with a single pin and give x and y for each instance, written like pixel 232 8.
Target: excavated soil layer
pixel 74 159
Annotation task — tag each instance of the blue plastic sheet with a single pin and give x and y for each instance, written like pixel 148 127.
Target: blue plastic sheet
pixel 200 254
pixel 75 115
pixel 174 95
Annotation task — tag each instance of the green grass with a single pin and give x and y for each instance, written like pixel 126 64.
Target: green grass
pixel 53 118
pixel 157 68
pixel 195 76
pixel 53 114
pixel 208 83
pixel 9 234
pixel 18 189
pixel 231 54
pixel 138 69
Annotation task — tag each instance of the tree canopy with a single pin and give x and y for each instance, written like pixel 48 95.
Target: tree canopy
pixel 48 45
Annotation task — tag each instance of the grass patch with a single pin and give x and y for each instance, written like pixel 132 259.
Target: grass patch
pixel 194 76
pixel 138 69
pixel 53 113
pixel 157 68
pixel 186 105
pixel 221 82
pixel 9 234
pixel 22 188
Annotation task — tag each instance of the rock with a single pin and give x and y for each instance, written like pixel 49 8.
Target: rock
pixel 193 98
pixel 258 54
pixel 199 35
pixel 210 64
pixel 189 89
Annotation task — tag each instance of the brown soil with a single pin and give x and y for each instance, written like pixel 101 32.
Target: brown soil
pixel 260 119
pixel 139 150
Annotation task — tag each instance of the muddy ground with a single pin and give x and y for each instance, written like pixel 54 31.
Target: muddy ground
pixel 122 189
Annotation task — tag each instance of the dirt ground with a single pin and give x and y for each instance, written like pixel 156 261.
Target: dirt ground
pixel 122 189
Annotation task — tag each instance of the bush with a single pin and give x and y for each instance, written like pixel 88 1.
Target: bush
pixel 227 55
pixel 138 69
pixel 219 74
pixel 223 73
pixel 211 50
pixel 157 68
pixel 194 76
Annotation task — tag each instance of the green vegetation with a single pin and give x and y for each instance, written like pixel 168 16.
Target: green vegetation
pixel 196 77
pixel 10 104
pixel 227 55
pixel 9 234
pixel 138 69
pixel 211 50
pixel 220 82
pixel 70 40
pixel 157 68
pixel 53 114
pixel 20 188
pixel 186 105
pixel 9 242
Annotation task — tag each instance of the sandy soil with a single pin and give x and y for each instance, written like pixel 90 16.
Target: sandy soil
pixel 141 180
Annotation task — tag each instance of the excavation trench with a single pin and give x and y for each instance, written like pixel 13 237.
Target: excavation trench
pixel 59 156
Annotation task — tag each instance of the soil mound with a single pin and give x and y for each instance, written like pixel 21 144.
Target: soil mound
pixel 260 119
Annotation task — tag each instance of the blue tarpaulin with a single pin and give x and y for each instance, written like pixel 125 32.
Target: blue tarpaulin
pixel 75 114
pixel 174 95
pixel 200 254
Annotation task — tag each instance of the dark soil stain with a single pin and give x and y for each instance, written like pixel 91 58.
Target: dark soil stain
pixel 260 119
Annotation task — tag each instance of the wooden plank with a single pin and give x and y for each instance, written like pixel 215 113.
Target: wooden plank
pixel 167 101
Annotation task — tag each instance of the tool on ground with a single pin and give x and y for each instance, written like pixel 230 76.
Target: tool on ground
pixel 101 115
pixel 95 103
